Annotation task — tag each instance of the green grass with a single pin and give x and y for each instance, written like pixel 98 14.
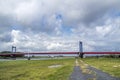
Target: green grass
pixel 36 69
pixel 109 65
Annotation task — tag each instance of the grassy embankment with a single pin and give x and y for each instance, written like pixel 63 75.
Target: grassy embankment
pixel 36 69
pixel 109 65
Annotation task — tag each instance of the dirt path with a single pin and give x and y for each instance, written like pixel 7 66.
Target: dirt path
pixel 100 75
pixel 77 73
pixel 94 74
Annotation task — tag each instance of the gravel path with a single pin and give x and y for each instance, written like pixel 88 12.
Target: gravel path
pixel 76 74
pixel 99 75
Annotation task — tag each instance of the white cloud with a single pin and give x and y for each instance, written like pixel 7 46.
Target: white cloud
pixel 25 12
pixel 34 24
pixel 103 30
pixel 53 46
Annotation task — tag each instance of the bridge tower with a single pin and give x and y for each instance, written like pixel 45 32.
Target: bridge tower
pixel 81 49
pixel 13 49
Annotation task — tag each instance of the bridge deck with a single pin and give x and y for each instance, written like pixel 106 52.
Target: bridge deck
pixel 50 53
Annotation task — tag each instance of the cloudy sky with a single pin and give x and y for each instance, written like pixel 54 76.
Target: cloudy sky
pixel 58 25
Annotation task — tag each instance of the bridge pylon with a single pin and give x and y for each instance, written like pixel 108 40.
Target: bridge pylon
pixel 13 49
pixel 81 54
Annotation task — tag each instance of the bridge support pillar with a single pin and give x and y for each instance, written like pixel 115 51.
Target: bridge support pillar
pixel 13 49
pixel 81 54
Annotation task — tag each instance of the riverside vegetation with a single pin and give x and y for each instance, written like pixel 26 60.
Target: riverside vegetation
pixel 36 69
pixel 54 69
pixel 109 65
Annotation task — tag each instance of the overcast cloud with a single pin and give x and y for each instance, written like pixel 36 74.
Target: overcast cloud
pixel 58 25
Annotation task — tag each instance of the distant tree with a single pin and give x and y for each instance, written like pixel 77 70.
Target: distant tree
pixel 6 52
pixel 112 56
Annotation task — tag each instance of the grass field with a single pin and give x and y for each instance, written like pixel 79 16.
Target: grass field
pixel 36 69
pixel 109 65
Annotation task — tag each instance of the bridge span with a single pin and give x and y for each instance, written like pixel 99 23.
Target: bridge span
pixel 51 53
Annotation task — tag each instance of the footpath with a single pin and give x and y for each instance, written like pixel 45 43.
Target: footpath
pixel 88 73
